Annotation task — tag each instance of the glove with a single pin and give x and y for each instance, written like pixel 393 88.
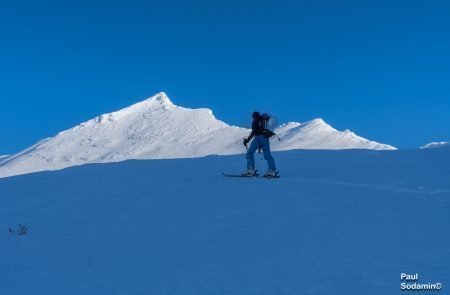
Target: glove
pixel 246 141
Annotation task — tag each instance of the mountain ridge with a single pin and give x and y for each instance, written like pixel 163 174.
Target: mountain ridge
pixel 437 144
pixel 156 128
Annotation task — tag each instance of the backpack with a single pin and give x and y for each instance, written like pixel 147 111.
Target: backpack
pixel 266 126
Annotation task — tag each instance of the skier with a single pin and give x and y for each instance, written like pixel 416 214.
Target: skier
pixel 260 141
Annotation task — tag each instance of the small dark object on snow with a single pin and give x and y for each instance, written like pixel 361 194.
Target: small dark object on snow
pixel 22 229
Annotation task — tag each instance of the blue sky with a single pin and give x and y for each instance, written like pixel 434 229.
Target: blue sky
pixel 379 68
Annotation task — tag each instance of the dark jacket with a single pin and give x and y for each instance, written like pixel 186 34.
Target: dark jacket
pixel 256 129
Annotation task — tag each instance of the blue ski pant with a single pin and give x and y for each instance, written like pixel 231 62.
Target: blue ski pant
pixel 263 142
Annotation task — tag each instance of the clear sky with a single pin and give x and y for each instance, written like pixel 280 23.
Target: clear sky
pixel 378 68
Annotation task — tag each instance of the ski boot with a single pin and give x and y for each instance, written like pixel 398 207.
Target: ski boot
pixel 271 173
pixel 249 172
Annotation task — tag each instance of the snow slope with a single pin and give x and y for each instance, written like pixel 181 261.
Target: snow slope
pixel 2 157
pixel 156 129
pixel 337 222
pixel 435 145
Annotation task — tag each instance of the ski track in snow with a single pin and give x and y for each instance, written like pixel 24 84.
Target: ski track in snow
pixel 373 186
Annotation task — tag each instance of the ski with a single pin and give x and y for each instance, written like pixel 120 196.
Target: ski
pixel 241 175
pixel 251 176
pixel 270 177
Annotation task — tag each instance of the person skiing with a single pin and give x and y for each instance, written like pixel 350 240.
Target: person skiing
pixel 260 141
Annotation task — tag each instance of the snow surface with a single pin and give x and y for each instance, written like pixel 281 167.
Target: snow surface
pixel 337 222
pixel 4 156
pixel 157 129
pixel 435 145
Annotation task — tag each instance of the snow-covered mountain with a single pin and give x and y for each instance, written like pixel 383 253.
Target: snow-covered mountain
pixel 435 145
pixel 317 134
pixel 3 156
pixel 157 129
